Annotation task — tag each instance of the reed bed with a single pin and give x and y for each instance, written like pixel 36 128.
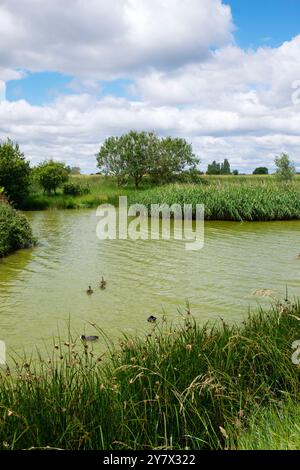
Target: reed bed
pixel 247 201
pixel 178 387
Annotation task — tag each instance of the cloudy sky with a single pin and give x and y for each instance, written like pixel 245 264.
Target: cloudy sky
pixel 224 74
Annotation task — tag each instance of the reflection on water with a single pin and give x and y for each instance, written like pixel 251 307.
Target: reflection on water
pixel 43 287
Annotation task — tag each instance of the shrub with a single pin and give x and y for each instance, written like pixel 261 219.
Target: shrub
pixel 73 189
pixel 15 231
pixel 51 175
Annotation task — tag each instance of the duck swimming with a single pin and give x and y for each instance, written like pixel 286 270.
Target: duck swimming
pixel 103 283
pixel 89 291
pixel 151 319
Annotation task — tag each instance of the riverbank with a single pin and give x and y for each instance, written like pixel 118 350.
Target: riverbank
pixel 232 198
pixel 15 231
pixel 185 387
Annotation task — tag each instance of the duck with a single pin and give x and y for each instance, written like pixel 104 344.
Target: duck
pixel 89 291
pixel 103 283
pixel 151 319
pixel 89 338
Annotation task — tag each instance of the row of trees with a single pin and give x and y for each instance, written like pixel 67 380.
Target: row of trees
pixel 134 155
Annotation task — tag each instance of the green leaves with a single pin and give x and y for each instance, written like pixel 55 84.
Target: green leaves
pixel 51 175
pixel 137 154
pixel 285 168
pixel 14 172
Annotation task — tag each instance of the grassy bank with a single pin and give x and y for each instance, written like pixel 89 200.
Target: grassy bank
pixel 15 231
pixel 237 198
pixel 195 387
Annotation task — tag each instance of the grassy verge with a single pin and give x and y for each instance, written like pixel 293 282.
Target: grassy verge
pixel 15 231
pixel 188 387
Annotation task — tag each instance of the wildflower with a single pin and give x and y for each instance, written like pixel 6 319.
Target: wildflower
pixel 189 347
pixel 102 387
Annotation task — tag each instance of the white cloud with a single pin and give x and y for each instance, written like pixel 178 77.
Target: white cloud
pixel 101 39
pixel 228 102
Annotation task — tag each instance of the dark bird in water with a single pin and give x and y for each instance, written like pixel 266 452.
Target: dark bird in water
pixel 151 319
pixel 89 291
pixel 103 283
pixel 89 338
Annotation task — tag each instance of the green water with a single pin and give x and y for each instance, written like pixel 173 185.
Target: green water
pixel 42 287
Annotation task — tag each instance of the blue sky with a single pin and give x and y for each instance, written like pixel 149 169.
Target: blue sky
pixel 265 22
pixel 226 80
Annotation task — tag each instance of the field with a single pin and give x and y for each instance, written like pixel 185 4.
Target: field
pixel 237 198
pixel 189 387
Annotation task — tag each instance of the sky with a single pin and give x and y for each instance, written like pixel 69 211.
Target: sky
pixel 224 74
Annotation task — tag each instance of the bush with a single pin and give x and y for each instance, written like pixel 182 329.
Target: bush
pixel 51 175
pixel 15 231
pixel 73 189
pixel 14 172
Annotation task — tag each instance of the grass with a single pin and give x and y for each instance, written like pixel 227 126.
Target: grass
pixel 183 387
pixel 248 200
pixel 236 198
pixel 273 428
pixel 15 231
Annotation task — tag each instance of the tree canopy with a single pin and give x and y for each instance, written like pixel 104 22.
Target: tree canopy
pixel 285 168
pixel 136 154
pixel 14 172
pixel 51 175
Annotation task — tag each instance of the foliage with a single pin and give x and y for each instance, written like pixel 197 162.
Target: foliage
pixel 184 387
pixel 15 231
pixel 171 158
pixel 51 175
pixel 262 170
pixel 285 168
pixel 137 154
pixel 73 189
pixel 14 172
pixel 219 168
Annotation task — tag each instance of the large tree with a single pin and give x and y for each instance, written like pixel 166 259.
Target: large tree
pixel 14 172
pixel 51 175
pixel 136 154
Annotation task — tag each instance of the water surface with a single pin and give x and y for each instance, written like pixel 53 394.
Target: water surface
pixel 41 288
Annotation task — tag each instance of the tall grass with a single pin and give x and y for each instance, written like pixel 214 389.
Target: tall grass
pixel 277 427
pixel 248 201
pixel 184 387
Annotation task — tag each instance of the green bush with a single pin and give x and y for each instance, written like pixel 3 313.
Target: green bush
pixel 73 189
pixel 15 231
pixel 14 172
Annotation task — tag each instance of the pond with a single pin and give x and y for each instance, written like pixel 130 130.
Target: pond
pixel 43 288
